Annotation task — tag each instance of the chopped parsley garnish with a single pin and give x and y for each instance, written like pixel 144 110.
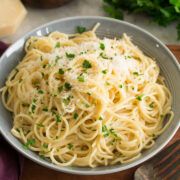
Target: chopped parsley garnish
pixel 25 105
pixel 87 105
pixel 70 56
pixel 104 71
pixel 81 29
pixel 136 73
pixel 57 58
pixel 127 57
pixel 107 83
pixel 42 73
pixel 42 156
pixel 61 71
pixel 67 86
pixel 102 46
pixel 120 86
pixel 57 45
pixel 40 125
pixel 161 116
pixel 103 55
pixel 151 105
pixel 67 100
pixel 45 145
pixel 44 66
pixel 29 142
pixel 45 109
pixel 58 118
pixel 75 115
pixel 105 131
pixel 40 91
pixel 113 133
pixel 139 98
pixel 80 78
pixel 100 118
pixel 70 146
pixel 60 88
pixel 86 64
pixel 33 107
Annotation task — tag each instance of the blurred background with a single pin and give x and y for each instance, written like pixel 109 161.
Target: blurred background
pixel 40 12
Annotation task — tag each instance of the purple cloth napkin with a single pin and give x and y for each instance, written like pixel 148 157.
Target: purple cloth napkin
pixel 11 162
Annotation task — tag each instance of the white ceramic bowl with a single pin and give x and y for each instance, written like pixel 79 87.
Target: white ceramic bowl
pixel 109 28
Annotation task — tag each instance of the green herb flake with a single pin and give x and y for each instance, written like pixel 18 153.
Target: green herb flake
pixel 103 55
pixel 161 116
pixel 75 115
pixel 57 45
pixel 58 118
pixel 44 66
pixel 57 59
pixel 45 109
pixel 33 107
pixel 136 73
pixel 113 133
pixel 42 156
pixel 39 125
pixel 60 88
pixel 45 145
pixel 139 98
pixel 40 91
pixel 80 78
pixel 66 101
pixel 70 146
pixel 86 64
pixel 100 118
pixel 107 83
pixel 102 46
pixel 81 29
pixel 104 71
pixel 105 131
pixel 67 86
pixel 25 105
pixel 120 86
pixel 30 142
pixel 88 93
pixel 70 55
pixel 61 71
pixel 151 105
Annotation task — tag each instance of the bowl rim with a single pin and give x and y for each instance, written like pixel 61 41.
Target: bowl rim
pixel 89 172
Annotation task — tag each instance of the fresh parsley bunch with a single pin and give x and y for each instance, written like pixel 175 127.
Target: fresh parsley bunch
pixel 162 12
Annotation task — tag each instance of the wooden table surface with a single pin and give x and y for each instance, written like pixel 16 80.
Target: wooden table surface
pixel 33 171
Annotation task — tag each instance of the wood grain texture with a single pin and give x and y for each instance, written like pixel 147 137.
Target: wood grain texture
pixel 33 171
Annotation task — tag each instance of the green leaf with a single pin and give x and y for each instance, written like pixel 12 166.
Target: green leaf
pixel 58 118
pixel 86 64
pixel 70 55
pixel 75 116
pixel 30 142
pixel 102 46
pixel 67 86
pixel 57 45
pixel 81 29
pixel 40 91
pixel 139 98
pixel 61 71
pixel 80 78
pixel 70 146
pixel 104 71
